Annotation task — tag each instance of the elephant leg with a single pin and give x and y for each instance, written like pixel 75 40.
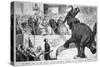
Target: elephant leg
pixel 80 54
pixel 82 46
pixel 59 50
pixel 92 47
pixel 78 51
pixel 65 46
pixel 82 50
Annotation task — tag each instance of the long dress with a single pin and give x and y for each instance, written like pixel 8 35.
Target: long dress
pixel 47 49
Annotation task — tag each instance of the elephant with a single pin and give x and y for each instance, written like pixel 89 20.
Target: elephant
pixel 81 35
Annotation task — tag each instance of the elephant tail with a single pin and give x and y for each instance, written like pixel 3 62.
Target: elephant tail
pixel 94 30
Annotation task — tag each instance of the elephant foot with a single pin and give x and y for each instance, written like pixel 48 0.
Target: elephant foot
pixel 93 50
pixel 93 47
pixel 79 56
pixel 76 57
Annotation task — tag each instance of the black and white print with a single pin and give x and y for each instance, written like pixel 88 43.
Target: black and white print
pixel 55 32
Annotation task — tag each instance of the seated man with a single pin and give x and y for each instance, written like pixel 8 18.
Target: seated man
pixel 39 53
pixel 21 55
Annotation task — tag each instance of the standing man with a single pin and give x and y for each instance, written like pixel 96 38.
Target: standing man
pixel 46 50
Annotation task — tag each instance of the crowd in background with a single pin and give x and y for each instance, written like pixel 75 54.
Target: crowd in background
pixel 41 25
